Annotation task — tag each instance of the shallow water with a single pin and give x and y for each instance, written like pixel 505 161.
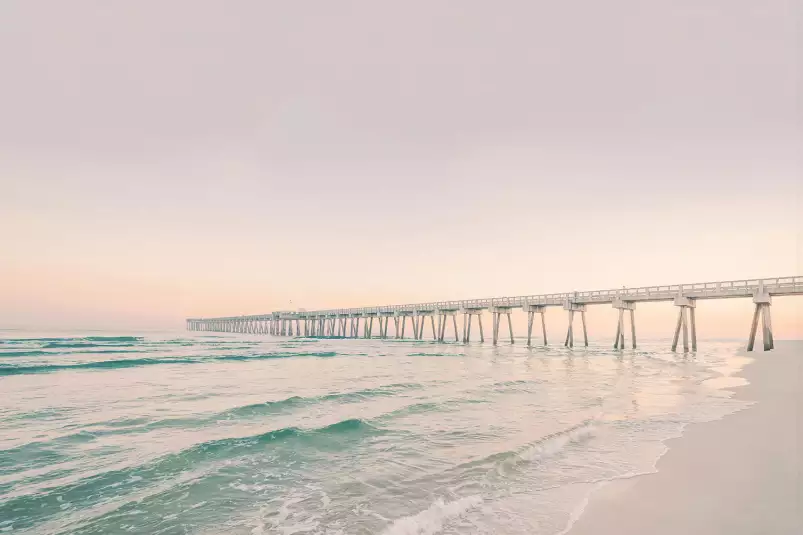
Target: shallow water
pixel 197 433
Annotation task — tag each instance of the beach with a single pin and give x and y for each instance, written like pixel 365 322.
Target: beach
pixel 738 475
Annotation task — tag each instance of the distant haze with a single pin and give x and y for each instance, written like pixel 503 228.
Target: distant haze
pixel 195 158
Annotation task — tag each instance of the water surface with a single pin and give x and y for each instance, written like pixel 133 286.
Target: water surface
pixel 176 433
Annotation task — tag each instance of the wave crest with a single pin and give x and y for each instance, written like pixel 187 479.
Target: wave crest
pixel 548 445
pixel 432 519
pixel 132 363
pixel 269 407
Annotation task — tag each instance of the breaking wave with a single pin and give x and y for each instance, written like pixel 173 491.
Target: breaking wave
pixel 540 449
pixel 23 353
pixel 268 407
pixel 72 339
pixel 548 446
pixel 10 369
pixel 76 345
pixel 100 365
pixel 432 520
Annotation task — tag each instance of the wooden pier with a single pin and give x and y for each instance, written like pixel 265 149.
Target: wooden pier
pixel 346 322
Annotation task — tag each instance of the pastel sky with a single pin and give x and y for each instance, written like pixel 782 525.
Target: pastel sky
pixel 196 158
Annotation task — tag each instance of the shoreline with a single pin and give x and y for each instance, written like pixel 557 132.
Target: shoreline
pixel 741 474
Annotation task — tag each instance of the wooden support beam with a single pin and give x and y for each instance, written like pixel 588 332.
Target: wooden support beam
pixel 693 321
pixel 569 329
pixel 585 332
pixel 510 326
pixel 765 336
pixel 677 329
pixel 683 315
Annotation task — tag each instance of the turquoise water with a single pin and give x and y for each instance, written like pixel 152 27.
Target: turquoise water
pixel 190 433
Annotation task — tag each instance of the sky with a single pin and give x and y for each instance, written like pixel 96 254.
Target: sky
pixel 160 160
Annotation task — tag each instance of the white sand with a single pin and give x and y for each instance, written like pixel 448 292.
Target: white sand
pixel 739 475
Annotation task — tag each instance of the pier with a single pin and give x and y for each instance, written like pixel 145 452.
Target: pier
pixel 441 315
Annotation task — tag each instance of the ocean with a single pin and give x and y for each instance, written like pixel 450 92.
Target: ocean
pixel 207 433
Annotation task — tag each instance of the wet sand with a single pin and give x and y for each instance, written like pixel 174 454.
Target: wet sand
pixel 739 475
